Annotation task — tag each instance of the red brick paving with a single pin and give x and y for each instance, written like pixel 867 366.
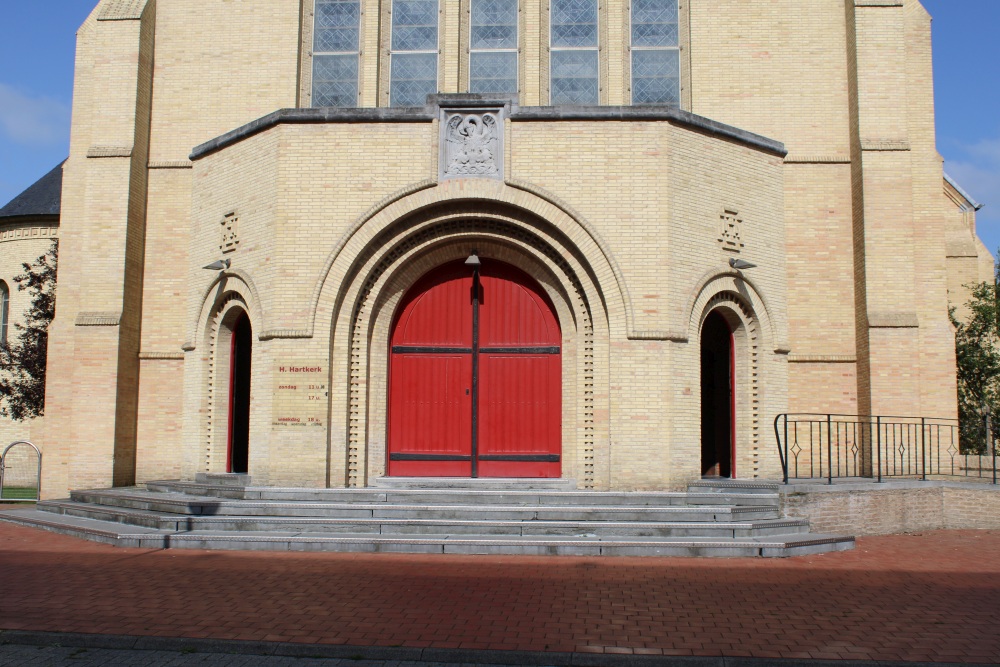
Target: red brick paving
pixel 925 597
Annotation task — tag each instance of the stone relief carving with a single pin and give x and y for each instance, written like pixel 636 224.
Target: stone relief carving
pixel 472 144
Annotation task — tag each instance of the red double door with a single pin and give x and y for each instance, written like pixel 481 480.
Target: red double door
pixel 475 376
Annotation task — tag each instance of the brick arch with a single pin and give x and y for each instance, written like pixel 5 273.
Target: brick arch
pixel 746 293
pixel 526 205
pixel 361 322
pixel 227 283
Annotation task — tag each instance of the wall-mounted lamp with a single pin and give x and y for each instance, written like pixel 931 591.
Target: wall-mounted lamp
pixel 740 264
pixel 218 265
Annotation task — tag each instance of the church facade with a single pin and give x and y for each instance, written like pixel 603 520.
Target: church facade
pixel 324 241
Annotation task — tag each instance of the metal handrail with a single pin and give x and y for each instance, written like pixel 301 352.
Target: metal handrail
pixel 38 481
pixel 832 445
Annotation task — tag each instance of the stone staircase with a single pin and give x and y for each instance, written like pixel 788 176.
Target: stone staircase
pixel 437 515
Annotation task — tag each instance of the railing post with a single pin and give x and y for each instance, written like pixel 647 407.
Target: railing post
pixel 991 445
pixel 782 454
pixel 786 450
pixel 923 452
pixel 829 450
pixel 878 448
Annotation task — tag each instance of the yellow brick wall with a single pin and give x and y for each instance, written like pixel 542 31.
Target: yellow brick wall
pixel 280 184
pixel 969 261
pixel 220 64
pixel 899 508
pixel 836 316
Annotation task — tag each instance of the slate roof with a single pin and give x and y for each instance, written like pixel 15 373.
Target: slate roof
pixel 43 197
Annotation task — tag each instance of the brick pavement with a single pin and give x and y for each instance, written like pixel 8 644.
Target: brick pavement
pixel 923 597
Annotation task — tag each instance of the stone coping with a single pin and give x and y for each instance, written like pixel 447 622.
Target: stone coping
pixel 855 484
pixel 517 113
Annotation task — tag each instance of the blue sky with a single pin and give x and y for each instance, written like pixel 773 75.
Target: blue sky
pixel 36 83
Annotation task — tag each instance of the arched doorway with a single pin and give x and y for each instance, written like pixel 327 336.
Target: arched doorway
pixel 475 376
pixel 718 404
pixel 239 395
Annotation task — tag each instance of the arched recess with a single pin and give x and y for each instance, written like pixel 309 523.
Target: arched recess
pixel 229 300
pixel 393 260
pixel 746 367
pixel 760 336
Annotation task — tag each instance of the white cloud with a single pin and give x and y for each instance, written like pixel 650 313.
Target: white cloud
pixel 987 150
pixel 32 120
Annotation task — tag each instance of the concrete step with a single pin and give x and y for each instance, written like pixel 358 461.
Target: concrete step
pixel 411 526
pixel 465 496
pixel 111 533
pixel 115 534
pixel 134 498
pixel 777 546
pixel 734 491
pixel 201 506
pixel 490 483
pixel 741 486
pixel 127 516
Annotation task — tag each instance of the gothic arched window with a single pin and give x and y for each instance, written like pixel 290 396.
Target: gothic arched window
pixel 4 311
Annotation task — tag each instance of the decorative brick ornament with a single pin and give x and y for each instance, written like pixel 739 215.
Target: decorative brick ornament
pixel 230 232
pixel 730 231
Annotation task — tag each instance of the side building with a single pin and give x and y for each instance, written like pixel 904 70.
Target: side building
pixel 29 225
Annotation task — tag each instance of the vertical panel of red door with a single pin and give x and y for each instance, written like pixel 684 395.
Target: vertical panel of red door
pixel 430 378
pixel 520 396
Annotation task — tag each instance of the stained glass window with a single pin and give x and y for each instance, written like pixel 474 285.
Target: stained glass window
pixel 655 52
pixel 573 52
pixel 493 47
pixel 336 47
pixel 414 52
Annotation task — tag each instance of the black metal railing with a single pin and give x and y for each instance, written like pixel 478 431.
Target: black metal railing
pixel 835 446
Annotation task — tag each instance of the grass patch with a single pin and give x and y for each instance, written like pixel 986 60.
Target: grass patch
pixel 19 493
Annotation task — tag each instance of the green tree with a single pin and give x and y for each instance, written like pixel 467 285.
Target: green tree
pixel 977 352
pixel 22 362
